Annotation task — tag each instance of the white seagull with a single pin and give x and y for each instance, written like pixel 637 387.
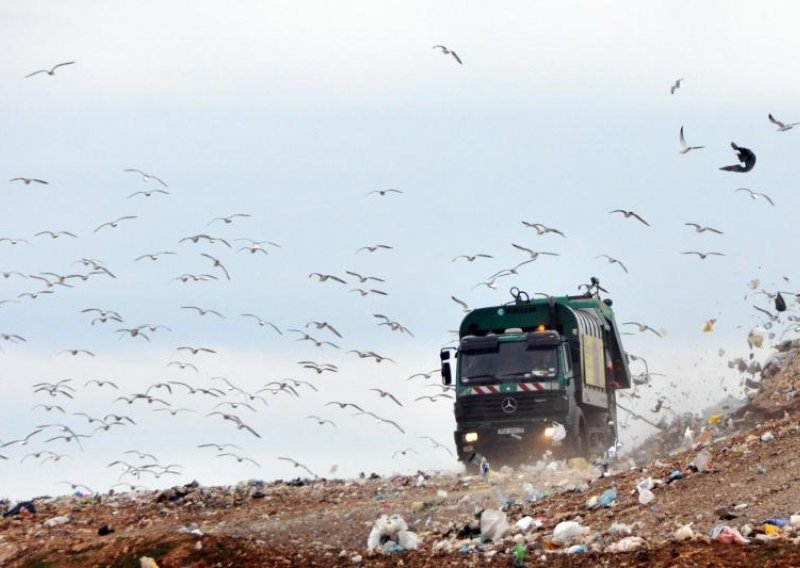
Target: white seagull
pixel 51 71
pixel 447 51
pixel 685 148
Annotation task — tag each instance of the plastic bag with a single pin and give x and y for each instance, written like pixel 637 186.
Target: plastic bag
pixel 565 531
pixel 494 524
pixel 646 496
pixel 627 544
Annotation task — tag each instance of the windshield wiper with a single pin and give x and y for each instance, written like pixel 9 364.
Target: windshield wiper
pixel 483 376
pixel 514 374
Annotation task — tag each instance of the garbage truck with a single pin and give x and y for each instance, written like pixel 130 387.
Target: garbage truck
pixel 535 375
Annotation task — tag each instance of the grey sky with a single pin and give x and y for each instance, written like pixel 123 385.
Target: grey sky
pixel 292 112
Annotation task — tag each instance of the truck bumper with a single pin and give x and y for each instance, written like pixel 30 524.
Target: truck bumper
pixel 514 441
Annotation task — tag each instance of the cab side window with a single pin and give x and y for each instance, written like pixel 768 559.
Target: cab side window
pixel 567 359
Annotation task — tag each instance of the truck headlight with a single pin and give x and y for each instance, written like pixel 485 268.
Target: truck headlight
pixel 471 437
pixel 549 431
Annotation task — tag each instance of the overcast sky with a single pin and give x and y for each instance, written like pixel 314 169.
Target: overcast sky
pixel 292 112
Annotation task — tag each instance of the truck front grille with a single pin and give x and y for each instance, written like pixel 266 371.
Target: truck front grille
pixel 477 408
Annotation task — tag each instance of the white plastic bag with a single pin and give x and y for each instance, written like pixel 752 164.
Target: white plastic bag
pixel 565 531
pixel 494 524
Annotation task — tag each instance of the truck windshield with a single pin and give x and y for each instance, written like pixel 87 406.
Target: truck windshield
pixel 508 361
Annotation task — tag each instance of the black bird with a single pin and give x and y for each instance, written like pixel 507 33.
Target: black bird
pixel 745 156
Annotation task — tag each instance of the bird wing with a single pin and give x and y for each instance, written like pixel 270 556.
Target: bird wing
pixel 765 196
pixel 776 122
pixel 62 65
pixel 459 302
pixel 36 73
pixel 333 329
pixel 159 180
pixel 639 218
pixel 456 57
pixel 520 247
pixel 682 139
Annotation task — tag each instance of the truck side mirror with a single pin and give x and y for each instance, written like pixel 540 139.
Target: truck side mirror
pixel 444 354
pixel 447 377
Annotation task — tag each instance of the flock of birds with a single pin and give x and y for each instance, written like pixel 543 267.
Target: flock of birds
pixel 217 398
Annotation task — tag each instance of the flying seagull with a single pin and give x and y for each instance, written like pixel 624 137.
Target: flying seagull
pixel 148 193
pixel 782 126
pixel 629 214
pixel 229 219
pixel 373 248
pixel 675 86
pixel 383 192
pixel 703 255
pixel 384 394
pixel 642 327
pixel 114 224
pixel 51 71
pixel 472 257
pixel 297 464
pixel 685 148
pixel 447 51
pixel 745 156
pixel 613 260
pixel 362 278
pixel 532 253
pixel 461 303
pixel 325 277
pixel 28 181
pixel 756 195
pixel 543 229
pixel 702 229
pixel 262 322
pixel 146 176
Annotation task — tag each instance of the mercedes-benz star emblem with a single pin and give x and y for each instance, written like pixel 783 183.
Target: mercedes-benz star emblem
pixel 509 405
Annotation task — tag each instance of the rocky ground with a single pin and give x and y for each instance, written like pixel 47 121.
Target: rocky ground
pixel 749 486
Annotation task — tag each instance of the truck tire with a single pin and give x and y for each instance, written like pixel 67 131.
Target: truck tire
pixel 579 445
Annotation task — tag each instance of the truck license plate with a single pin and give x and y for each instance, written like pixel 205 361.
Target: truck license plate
pixel 511 430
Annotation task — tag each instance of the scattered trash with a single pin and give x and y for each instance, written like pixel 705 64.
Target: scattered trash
pixel 645 495
pixel 191 529
pixel 684 533
pixel 105 530
pixel 494 524
pixel 760 468
pixel 778 521
pixel 559 432
pixel 627 544
pixel 755 338
pixel 617 529
pixel 767 437
pixel 771 530
pixel 727 535
pixel 674 476
pixel 565 531
pixel 56 521
pixel 20 508
pixel 525 523
pixel 577 549
pixel 608 497
pixel 519 555
pixel 703 461
pixel 391 530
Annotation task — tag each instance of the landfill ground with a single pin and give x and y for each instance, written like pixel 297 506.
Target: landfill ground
pixel 326 523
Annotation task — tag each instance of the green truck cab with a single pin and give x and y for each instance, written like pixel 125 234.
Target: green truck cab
pixel 536 374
